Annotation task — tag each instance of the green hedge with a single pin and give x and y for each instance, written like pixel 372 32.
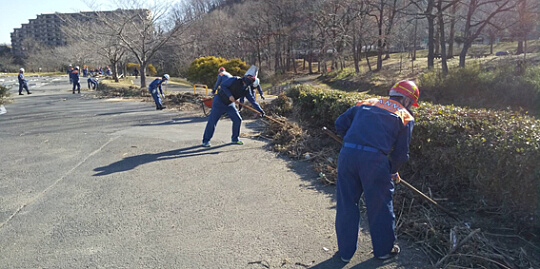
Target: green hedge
pixel 487 159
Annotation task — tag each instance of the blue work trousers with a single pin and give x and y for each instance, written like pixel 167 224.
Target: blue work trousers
pixel 157 97
pixel 23 86
pixel 76 84
pixel 365 172
pixel 218 108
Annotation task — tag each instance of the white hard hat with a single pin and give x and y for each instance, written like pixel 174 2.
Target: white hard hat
pixel 166 76
pixel 21 69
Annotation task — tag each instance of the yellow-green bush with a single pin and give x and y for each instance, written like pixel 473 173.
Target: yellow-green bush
pixel 151 69
pixel 485 158
pixel 131 66
pixel 204 70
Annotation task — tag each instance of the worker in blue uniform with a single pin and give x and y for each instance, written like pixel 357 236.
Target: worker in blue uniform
pixel 23 83
pixel 68 71
pixel 255 85
pixel 153 88
pixel 376 135
pixel 75 79
pixel 224 102
pixel 222 76
pixel 94 82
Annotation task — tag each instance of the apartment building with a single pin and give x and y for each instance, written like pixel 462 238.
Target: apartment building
pixel 47 28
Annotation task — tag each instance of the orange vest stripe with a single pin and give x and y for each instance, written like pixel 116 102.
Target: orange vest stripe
pixel 391 106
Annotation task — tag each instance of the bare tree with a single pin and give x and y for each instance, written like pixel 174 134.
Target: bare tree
pixel 479 14
pixel 144 28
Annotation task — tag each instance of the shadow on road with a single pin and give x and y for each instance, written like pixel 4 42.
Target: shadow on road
pixel 335 262
pixel 132 162
pixel 178 121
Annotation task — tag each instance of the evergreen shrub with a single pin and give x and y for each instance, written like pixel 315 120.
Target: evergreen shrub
pixel 487 159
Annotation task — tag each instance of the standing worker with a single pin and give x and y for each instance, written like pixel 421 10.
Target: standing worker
pixel 231 89
pixel 75 79
pixel 153 88
pixel 68 71
pixel 222 76
pixel 376 135
pixel 23 83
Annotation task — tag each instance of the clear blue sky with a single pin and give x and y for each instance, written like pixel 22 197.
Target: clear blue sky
pixel 17 12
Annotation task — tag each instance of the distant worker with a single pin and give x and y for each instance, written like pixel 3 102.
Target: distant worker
pixel 257 85
pixel 232 89
pixel 136 73
pixel 222 76
pixel 108 71
pixel 153 88
pixel 94 82
pixel 85 71
pixel 75 79
pixel 376 135
pixel 23 83
pixel 68 71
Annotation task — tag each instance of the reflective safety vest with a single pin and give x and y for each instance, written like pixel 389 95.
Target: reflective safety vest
pixel 391 106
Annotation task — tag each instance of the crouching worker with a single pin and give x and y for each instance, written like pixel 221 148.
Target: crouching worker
pixel 153 88
pixel 376 135
pixel 94 82
pixel 224 102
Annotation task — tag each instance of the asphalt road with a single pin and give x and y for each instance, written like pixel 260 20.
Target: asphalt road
pixel 96 183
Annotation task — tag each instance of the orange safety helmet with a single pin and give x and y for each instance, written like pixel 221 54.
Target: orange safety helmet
pixel 221 69
pixel 407 89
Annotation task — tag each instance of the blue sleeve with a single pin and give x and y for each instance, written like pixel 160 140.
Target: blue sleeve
pixel 225 86
pixel 218 81
pixel 160 90
pixel 259 89
pixel 251 99
pixel 400 154
pixel 343 122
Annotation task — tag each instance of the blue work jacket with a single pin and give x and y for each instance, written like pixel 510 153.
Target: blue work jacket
pixel 383 124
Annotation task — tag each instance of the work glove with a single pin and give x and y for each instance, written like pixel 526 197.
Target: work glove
pixel 262 97
pixel 396 178
pixel 262 114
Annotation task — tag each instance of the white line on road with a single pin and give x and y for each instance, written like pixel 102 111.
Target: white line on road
pixel 56 182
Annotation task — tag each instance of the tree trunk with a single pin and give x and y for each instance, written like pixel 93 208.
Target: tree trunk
pixel 367 60
pixel 451 35
pixel 431 33
pixel 355 54
pixel 463 54
pixel 431 45
pixel 442 39
pixel 143 74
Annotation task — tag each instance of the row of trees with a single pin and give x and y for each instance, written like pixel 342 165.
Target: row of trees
pixel 274 33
